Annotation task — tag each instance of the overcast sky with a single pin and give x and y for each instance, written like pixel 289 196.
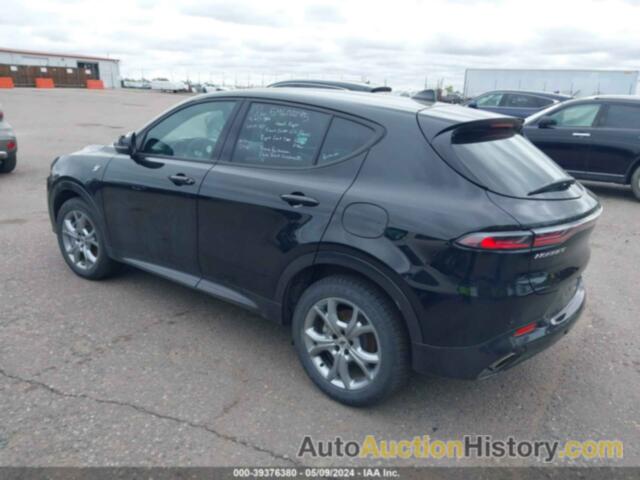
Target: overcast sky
pixel 401 41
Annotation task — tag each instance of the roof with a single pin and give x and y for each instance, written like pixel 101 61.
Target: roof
pixel 345 100
pixel 57 54
pixel 378 108
pixel 332 84
pixel 626 98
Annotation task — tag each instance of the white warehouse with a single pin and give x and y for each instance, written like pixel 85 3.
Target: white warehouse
pixel 66 70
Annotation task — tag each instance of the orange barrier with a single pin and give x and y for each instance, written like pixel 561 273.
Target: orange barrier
pixel 95 84
pixel 44 83
pixel 6 82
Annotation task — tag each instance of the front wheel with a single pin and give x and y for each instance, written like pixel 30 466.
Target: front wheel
pixel 635 183
pixel 351 340
pixel 81 241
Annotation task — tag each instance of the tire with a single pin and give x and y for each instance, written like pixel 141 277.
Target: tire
pixel 8 164
pixel 329 348
pixel 88 259
pixel 635 183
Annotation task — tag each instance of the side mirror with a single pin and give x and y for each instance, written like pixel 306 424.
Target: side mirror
pixel 546 122
pixel 126 145
pixel 472 104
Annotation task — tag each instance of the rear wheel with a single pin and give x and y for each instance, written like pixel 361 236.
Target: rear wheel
pixel 81 241
pixel 351 340
pixel 8 164
pixel 635 183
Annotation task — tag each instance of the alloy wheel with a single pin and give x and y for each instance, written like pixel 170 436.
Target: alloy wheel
pixel 343 344
pixel 80 240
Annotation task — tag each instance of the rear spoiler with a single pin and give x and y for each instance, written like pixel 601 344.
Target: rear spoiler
pixel 496 127
pixel 438 119
pixel 380 89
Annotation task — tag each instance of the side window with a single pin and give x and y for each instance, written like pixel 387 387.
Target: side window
pixel 490 100
pixel 622 116
pixel 544 102
pixel 190 133
pixel 525 101
pixel 279 135
pixel 576 115
pixel 343 138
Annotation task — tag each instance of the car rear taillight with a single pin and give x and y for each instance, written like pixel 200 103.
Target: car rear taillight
pixel 497 241
pixel 556 235
pixel 11 145
pixel 1 115
pixel 538 238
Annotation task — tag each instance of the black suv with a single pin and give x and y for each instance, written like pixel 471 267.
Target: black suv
pixel 594 138
pixel 389 235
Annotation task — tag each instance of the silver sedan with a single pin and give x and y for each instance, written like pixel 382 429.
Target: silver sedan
pixel 8 145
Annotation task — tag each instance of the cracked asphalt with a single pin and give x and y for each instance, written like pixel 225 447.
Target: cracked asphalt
pixel 136 370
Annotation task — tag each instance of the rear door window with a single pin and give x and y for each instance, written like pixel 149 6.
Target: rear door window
pixel 280 135
pixel 621 116
pixel 583 115
pixel 344 138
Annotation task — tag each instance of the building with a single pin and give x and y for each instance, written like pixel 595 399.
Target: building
pixel 577 83
pixel 66 70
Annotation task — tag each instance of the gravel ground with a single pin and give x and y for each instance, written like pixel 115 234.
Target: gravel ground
pixel 140 371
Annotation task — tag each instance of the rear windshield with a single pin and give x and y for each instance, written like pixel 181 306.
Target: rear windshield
pixel 506 163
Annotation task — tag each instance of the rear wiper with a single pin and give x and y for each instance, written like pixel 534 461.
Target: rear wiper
pixel 554 186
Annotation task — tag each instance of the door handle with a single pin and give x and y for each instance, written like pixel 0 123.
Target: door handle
pixel 181 179
pixel 581 134
pixel 298 199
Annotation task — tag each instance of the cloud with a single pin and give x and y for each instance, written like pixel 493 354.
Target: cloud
pixel 404 42
pixel 238 12
pixel 323 13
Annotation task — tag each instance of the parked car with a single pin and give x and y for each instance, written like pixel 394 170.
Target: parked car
pixel 516 103
pixel 389 236
pixel 141 84
pixel 168 86
pixel 211 88
pixel 594 138
pixel 332 85
pixel 8 146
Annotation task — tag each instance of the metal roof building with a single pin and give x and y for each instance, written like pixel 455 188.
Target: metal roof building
pixel 66 70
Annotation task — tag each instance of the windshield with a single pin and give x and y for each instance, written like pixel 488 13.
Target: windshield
pixel 506 164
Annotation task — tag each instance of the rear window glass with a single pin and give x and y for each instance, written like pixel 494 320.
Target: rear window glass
pixel 622 116
pixel 506 163
pixel 344 138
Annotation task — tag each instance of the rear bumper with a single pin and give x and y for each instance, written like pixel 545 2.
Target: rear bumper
pixel 7 155
pixel 500 353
